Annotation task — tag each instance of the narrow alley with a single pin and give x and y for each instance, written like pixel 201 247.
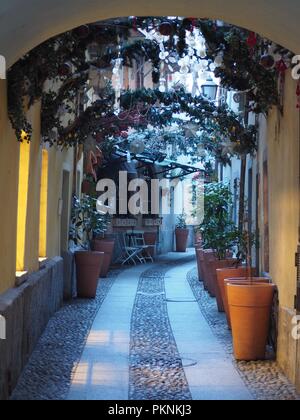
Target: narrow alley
pixel 150 213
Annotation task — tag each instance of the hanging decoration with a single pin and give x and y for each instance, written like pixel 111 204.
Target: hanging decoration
pixel 252 41
pixel 188 49
pixel 166 29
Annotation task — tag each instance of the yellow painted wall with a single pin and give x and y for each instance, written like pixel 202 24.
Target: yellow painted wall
pixel 9 159
pixel 283 150
pixel 9 175
pixel 33 209
pixel 58 161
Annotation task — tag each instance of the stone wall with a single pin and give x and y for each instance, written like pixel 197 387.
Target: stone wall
pixel 27 310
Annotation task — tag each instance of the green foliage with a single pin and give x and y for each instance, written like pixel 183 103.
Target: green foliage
pixel 181 222
pixel 241 70
pixel 218 231
pixel 205 114
pixel 246 241
pixel 86 222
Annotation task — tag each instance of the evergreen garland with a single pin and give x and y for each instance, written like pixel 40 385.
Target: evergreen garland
pixel 63 59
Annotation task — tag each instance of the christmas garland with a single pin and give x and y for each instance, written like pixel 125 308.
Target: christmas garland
pixel 202 112
pixel 63 60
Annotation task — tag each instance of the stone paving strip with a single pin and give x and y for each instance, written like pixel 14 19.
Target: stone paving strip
pixel 264 379
pixel 48 374
pixel 156 370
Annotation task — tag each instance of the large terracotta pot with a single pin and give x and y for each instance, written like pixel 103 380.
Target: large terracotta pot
pixel 250 309
pixel 208 258
pixel 88 267
pixel 227 273
pixel 182 236
pixel 151 240
pixel 237 280
pixel 106 246
pixel 199 255
pixel 216 265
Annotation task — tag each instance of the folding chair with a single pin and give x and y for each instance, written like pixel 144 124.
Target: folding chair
pixel 129 252
pixel 139 241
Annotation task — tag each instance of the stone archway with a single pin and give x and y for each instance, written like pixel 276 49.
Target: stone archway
pixel 23 28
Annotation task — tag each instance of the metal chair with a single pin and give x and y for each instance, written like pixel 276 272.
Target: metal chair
pixel 128 252
pixel 139 241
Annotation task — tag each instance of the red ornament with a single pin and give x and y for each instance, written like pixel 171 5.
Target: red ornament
pixel 267 61
pixel 281 66
pixel 188 24
pixel 166 29
pixel 252 40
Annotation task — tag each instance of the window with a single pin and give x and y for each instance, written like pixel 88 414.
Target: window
pixel 44 205
pixel 24 163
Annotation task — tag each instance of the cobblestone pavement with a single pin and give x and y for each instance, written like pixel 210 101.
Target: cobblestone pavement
pixel 48 374
pixel 264 379
pixel 156 370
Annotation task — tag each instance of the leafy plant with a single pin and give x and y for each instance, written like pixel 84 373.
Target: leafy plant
pixel 87 223
pixel 246 241
pixel 181 222
pixel 218 230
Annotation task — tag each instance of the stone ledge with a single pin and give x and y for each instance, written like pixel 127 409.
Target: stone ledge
pixel 27 310
pixel 287 346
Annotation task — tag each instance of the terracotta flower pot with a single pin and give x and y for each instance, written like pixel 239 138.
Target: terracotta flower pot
pixel 199 254
pixel 151 240
pixel 182 236
pixel 208 258
pixel 215 266
pixel 106 246
pixel 250 308
pixel 237 280
pixel 227 273
pixel 88 267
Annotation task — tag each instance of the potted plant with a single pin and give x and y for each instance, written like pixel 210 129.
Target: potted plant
pixel 107 246
pixel 151 240
pixel 250 302
pixel 219 235
pixel 199 257
pixel 103 243
pixel 182 234
pixel 85 219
